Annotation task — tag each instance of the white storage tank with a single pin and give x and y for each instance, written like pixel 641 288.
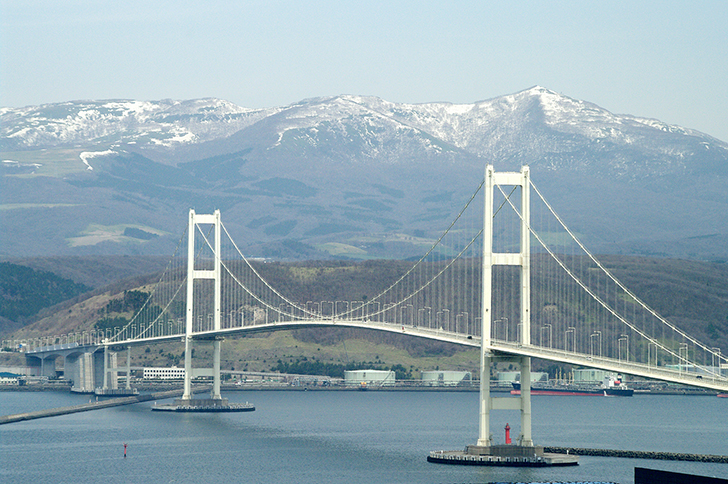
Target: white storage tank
pixel 505 378
pixel 369 377
pixel 445 378
pixel 590 375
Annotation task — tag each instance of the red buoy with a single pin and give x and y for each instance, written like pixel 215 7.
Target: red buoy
pixel 508 434
pixel 124 451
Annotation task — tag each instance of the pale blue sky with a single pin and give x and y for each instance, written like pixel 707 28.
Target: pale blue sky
pixel 666 60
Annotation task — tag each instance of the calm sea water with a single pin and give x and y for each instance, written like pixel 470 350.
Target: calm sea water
pixel 346 437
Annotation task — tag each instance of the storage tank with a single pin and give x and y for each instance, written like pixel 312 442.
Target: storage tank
pixel 369 377
pixel 505 378
pixel 445 378
pixel 590 375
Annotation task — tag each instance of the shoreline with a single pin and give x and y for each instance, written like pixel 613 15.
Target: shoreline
pixel 151 387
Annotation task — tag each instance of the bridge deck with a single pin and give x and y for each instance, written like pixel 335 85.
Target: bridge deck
pixel 497 347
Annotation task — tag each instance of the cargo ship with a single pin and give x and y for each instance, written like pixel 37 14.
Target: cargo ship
pixel 611 387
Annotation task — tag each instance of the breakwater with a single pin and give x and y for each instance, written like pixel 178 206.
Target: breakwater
pixel 639 454
pixel 97 405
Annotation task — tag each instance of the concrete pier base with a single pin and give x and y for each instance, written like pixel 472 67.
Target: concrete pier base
pixel 502 455
pixel 204 405
pixel 505 450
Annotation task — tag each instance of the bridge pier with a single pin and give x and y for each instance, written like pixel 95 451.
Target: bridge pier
pixel 110 385
pixel 191 373
pixel 489 402
pixel 92 369
pixel 485 452
pixel 42 365
pixel 82 367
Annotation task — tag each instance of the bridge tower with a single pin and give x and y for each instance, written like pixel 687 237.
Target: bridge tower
pixel 215 403
pixel 193 274
pixel 487 355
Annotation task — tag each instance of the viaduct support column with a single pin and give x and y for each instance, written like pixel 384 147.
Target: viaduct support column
pixel 128 367
pixel 106 368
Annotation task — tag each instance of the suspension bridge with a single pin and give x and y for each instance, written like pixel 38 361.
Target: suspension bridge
pixel 506 276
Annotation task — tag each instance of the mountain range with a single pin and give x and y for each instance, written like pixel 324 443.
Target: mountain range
pixel 347 176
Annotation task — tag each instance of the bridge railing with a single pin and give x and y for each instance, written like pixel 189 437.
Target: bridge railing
pixel 63 341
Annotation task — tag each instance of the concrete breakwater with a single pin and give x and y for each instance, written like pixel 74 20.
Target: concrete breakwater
pixel 85 407
pixel 638 454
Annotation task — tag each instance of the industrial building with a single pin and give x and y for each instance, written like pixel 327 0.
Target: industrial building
pixel 173 373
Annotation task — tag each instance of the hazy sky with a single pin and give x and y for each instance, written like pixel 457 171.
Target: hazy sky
pixel 666 60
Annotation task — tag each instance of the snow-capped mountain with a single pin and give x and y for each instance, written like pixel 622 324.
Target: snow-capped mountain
pixel 164 123
pixel 536 124
pixel 326 169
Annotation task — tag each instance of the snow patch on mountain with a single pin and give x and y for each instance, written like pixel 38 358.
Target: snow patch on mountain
pixel 87 155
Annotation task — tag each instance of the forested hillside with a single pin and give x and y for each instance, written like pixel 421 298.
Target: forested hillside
pixel 95 271
pixel 24 292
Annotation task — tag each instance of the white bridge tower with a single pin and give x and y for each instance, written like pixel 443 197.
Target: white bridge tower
pixel 487 355
pixel 214 275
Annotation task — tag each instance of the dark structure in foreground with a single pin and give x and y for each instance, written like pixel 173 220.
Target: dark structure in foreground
pixel 651 476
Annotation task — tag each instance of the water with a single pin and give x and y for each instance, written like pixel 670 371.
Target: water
pixel 347 437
